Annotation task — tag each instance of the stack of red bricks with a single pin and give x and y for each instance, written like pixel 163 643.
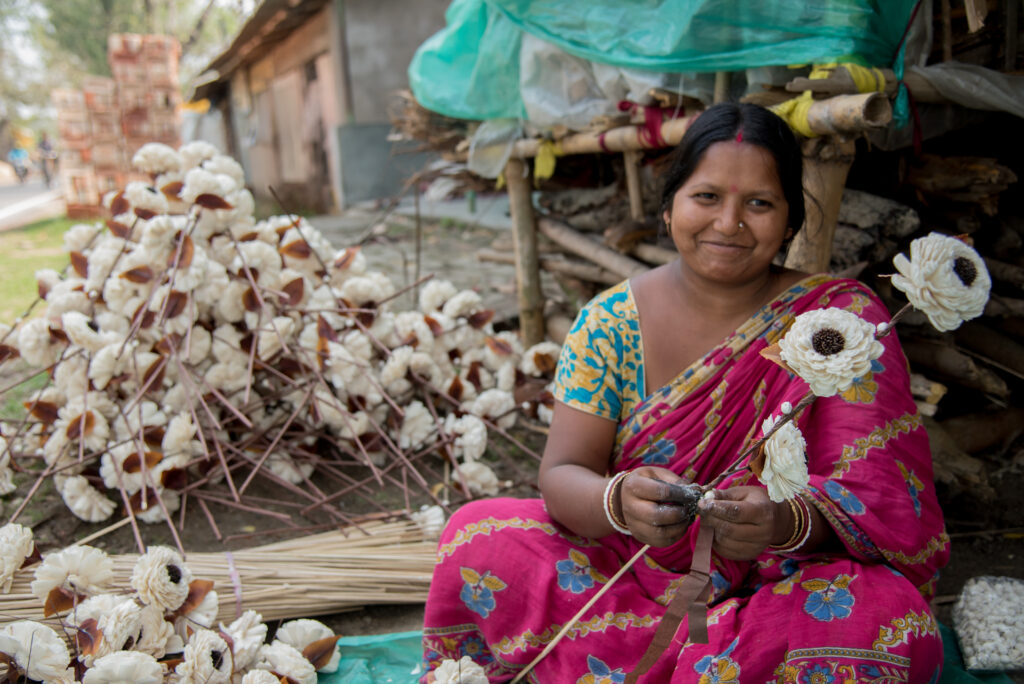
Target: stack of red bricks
pixel 101 126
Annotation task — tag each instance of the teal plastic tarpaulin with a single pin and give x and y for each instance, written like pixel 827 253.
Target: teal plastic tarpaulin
pixel 470 69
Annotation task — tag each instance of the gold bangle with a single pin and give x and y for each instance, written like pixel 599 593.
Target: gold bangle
pixel 798 527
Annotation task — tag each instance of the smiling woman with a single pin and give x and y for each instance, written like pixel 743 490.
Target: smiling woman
pixel 661 383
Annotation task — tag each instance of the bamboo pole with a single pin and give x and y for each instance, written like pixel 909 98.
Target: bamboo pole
pixel 613 140
pixel 826 163
pixel 841 83
pixel 631 158
pixel 849 114
pixel 580 244
pixel 524 234
pixel 552 264
pixel 721 93
pixel 947 31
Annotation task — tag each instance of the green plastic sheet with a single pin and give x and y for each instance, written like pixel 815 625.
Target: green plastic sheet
pixel 378 659
pixel 470 69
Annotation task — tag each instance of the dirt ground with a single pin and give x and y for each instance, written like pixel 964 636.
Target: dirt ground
pixel 988 537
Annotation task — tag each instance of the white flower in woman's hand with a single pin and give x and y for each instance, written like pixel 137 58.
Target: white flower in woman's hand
pixel 944 278
pixel 784 471
pixel 829 349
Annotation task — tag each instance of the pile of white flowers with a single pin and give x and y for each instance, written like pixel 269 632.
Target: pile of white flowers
pixel 188 337
pixel 161 628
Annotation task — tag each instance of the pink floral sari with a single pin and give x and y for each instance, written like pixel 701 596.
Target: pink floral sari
pixel 509 577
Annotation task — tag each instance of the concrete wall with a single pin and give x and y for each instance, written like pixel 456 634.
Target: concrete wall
pixel 382 38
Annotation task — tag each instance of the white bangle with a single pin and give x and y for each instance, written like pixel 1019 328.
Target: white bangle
pixel 606 501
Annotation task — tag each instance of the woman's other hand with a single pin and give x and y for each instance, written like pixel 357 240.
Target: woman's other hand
pixel 651 511
pixel 746 521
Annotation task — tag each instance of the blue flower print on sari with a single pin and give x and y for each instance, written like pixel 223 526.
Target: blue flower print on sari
pixel 719 583
pixel 659 452
pixel 846 499
pixel 829 600
pixel 788 567
pixel 600 673
pixel 475 648
pixel 914 486
pixel 575 573
pixel 719 669
pixel 819 674
pixel 478 591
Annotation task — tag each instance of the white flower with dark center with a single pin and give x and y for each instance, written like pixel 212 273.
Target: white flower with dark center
pixel 247 635
pixel 16 544
pixel 161 578
pixel 82 570
pixel 36 345
pixel 829 349
pixel 462 671
pixel 301 633
pixel 37 650
pixel 125 667
pixel 120 627
pixel 286 661
pixel 227 166
pixel 80 236
pixel 944 278
pixel 462 304
pixel 417 427
pixel 497 405
pixel 784 472
pixel 156 632
pixel 207 660
pixel 540 359
pixel 146 200
pixel 156 158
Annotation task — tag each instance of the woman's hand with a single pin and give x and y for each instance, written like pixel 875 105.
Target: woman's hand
pixel 746 521
pixel 646 500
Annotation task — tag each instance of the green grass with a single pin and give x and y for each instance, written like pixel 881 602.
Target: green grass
pixel 23 252
pixel 12 402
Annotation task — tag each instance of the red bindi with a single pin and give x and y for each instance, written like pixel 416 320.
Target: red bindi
pixel 739 136
pixel 733 188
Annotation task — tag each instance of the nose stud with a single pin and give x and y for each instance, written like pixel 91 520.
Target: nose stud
pixel 742 224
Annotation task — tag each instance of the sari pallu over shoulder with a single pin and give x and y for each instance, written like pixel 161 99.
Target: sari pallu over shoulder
pixel 867 451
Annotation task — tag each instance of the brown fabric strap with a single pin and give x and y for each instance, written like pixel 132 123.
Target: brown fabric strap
pixel 690 600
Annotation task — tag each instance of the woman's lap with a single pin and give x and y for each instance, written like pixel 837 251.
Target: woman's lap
pixel 508 578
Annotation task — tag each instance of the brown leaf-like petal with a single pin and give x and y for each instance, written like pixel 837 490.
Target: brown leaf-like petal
pixel 119 204
pixel 456 389
pixel 81 425
pixel 44 411
pixel 757 461
pixel 774 354
pixel 144 214
pixel 298 249
pixel 346 257
pixel 367 317
pixel 324 329
pixel 168 343
pixel 32 558
pixel 153 435
pixel 175 303
pixel 499 346
pixel 147 317
pixel 545 363
pixel 8 352
pixel 411 340
pixel 139 274
pixel 480 318
pixel 197 591
pixel 172 190
pixel 187 252
pixel 58 601
pixel 434 325
pixel 80 263
pixel 321 651
pixel 153 378
pixel 248 237
pixel 295 290
pixel 133 464
pixel 174 478
pixel 118 229
pixel 88 637
pixel 57 335
pixel 290 367
pixel 208 200
pixel 250 301
pixel 473 375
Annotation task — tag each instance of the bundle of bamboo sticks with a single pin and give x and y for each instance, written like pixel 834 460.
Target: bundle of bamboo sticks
pixel 381 562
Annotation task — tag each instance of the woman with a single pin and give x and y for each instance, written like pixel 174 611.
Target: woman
pixel 661 377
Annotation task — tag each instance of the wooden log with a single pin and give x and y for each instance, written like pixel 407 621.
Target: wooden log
pixel 925 389
pixel 826 163
pixel 954 365
pixel 992 346
pixel 556 264
pixel 849 114
pixel 1012 34
pixel 631 159
pixel 580 244
pixel 955 467
pixel 947 32
pixel 977 432
pixel 1002 307
pixel 840 82
pixel 530 297
pixel 653 254
pixel 721 92
pixel 976 12
pixel 1006 273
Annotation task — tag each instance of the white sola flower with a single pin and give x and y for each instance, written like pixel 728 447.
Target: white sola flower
pixel 829 349
pixel 161 578
pixel 36 649
pixel 207 659
pixel 944 278
pixel 259 677
pixel 247 635
pixel 286 661
pixel 16 545
pixel 784 471
pixel 125 667
pixel 462 671
pixel 82 570
pixel 301 633
pixel 430 520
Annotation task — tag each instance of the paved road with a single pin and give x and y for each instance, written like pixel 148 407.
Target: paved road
pixel 21 204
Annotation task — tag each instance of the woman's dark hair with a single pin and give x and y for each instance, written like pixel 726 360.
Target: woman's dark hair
pixel 742 123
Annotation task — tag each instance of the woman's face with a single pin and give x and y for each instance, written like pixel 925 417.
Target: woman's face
pixel 729 219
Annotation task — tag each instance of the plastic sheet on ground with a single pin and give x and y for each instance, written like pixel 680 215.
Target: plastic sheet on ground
pixel 378 659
